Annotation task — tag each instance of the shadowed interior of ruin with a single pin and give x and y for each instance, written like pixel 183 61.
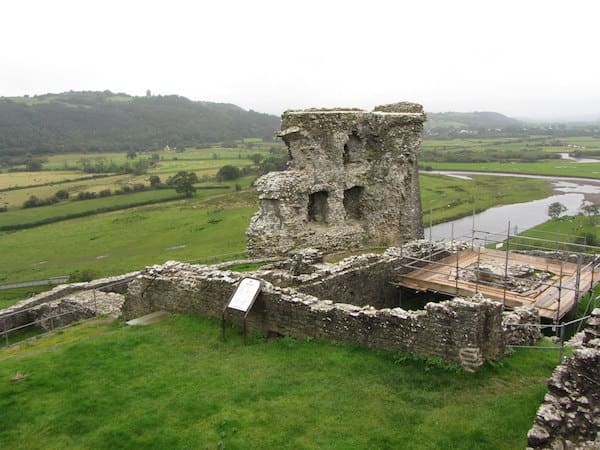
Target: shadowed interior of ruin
pixel 317 207
pixel 353 202
pixel 353 149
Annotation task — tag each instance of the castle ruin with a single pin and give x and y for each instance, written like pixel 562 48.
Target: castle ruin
pixel 352 181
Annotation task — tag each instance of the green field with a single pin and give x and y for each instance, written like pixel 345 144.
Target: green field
pixel 176 384
pixel 557 167
pixel 451 198
pixel 77 208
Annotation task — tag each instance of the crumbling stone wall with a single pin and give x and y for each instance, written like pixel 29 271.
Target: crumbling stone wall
pixel 459 331
pixel 78 297
pixel 569 418
pixel 352 180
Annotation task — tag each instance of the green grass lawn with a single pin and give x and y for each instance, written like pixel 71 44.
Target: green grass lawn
pixel 175 384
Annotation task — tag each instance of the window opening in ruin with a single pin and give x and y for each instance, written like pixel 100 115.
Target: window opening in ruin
pixel 317 207
pixel 353 202
pixel 353 149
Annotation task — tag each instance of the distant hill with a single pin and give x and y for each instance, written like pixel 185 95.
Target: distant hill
pixel 471 121
pixel 104 121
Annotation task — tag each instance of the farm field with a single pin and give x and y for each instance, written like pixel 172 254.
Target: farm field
pixel 556 167
pixel 15 179
pixel 545 143
pixel 176 384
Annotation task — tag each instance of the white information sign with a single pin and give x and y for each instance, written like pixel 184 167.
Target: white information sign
pixel 499 244
pixel 245 294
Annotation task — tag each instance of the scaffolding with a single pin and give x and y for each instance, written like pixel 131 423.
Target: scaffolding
pixel 564 270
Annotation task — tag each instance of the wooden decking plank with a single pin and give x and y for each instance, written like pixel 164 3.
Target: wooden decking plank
pixel 440 276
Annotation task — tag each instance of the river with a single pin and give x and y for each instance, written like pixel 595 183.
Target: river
pixel 568 190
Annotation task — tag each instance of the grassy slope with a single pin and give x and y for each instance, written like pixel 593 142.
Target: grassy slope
pixel 175 384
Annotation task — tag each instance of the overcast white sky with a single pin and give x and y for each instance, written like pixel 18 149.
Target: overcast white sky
pixel 525 58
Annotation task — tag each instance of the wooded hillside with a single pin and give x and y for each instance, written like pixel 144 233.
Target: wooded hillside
pixel 104 121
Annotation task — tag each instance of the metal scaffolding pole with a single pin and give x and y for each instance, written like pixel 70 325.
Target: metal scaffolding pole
pixel 506 266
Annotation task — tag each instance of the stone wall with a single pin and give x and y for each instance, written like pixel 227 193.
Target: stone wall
pixel 458 331
pixel 569 418
pixel 352 181
pixel 59 298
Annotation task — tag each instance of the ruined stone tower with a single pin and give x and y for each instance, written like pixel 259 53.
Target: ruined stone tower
pixel 352 181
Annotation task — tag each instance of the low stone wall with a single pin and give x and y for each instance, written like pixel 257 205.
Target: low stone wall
pixel 569 418
pixel 458 331
pixel 31 309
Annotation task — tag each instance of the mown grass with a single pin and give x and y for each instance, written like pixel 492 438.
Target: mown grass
pixel 451 198
pixel 176 384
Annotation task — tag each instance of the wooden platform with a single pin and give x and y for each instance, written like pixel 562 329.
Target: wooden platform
pixel 553 299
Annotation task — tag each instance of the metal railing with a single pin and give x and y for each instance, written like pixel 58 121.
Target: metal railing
pixel 558 328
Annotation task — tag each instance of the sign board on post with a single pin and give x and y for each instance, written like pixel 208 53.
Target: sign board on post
pixel 242 299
